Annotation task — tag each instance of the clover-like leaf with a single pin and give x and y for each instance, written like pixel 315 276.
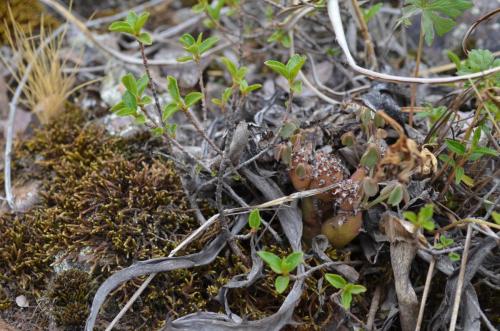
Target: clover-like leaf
pixel 281 283
pixel 272 260
pixel 336 281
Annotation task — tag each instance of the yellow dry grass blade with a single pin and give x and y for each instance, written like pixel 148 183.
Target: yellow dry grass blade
pixel 47 87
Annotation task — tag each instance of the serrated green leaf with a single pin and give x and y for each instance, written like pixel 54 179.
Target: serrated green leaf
pixel 192 98
pixel 145 38
pixel 278 67
pixel 485 151
pixel 336 281
pixel 281 283
pixel 442 24
pixel 455 146
pixel 428 28
pixel 272 260
pixel 130 84
pixel 254 219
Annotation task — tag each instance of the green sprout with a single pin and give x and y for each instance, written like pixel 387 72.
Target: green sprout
pixel 423 219
pixel 133 99
pixel 346 289
pixel 369 13
pixel 133 25
pixel 238 77
pixel 290 70
pixel 196 47
pixel 254 220
pixel 281 266
pixel 445 242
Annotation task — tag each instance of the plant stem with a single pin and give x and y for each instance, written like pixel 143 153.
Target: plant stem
pixel 203 92
pixel 417 68
pixel 201 131
pixel 151 84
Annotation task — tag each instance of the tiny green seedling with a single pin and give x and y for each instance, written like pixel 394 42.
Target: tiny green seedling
pixel 290 70
pixel 346 289
pixel 281 266
pixel 423 219
pixel 133 98
pixel 445 242
pixel 196 47
pixel 238 78
pixel 254 220
pixel 370 12
pixel 133 25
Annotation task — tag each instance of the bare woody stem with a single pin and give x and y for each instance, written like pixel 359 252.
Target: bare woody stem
pixel 417 68
pixel 151 84
pixel 203 91
pixel 201 131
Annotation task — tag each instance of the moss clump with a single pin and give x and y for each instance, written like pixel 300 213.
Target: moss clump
pixel 70 293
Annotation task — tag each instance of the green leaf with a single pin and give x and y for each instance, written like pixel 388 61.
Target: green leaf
pixel 272 260
pixel 278 67
pixel 294 65
pixel 369 13
pixel 281 283
pixel 145 38
pixel 171 129
pixel 140 119
pixel 446 159
pixel 485 151
pixel 336 281
pixel 142 83
pixel 227 94
pixel 254 219
pixel 428 225
pixel 253 87
pixel 355 288
pixel 396 195
pixel 425 213
pixel 146 100
pixel 459 175
pixel 231 67
pixel 126 112
pixel 187 40
pixel 192 98
pixel 496 217
pixel 173 89
pixel 478 60
pixel 141 21
pixel 446 241
pixel 428 28
pixel 132 18
pixel 455 146
pixel 452 8
pixel 346 299
pixel 291 262
pixel 130 84
pixel 129 100
pixel 158 131
pixel 120 26
pixel 168 111
pixel 118 106
pixel 186 58
pixel 296 87
pixel 410 216
pixel 441 24
pixel 288 129
pixel 207 44
pixel 370 157
pixel 453 256
pixel 455 59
